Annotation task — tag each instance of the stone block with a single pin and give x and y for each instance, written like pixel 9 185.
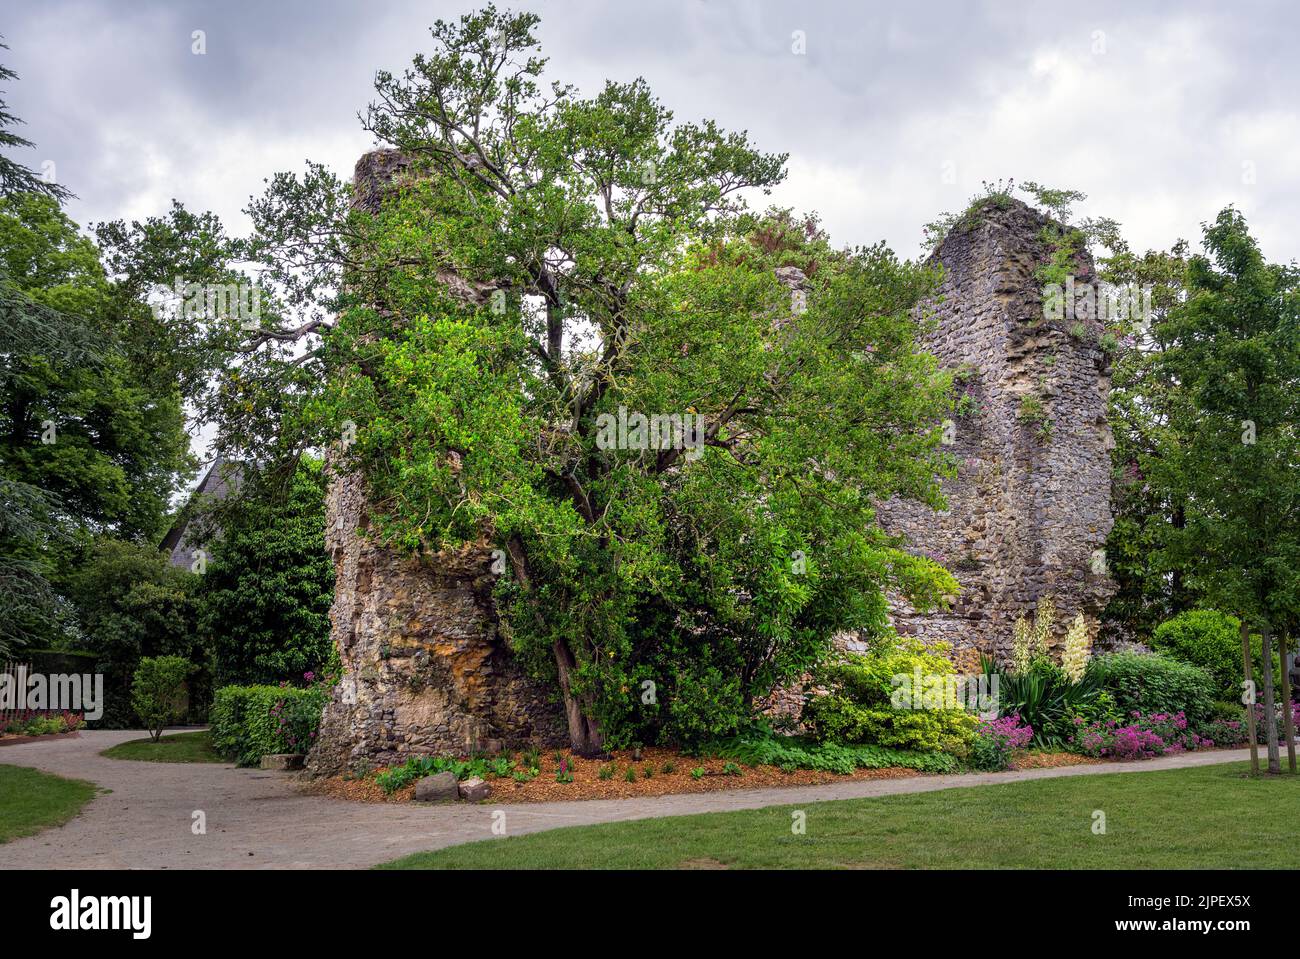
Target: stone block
pixel 440 787
pixel 474 790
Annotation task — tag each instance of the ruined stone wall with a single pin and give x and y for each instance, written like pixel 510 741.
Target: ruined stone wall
pixel 1031 501
pixel 426 670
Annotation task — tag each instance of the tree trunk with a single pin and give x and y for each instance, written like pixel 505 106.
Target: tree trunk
pixel 1288 721
pixel 584 732
pixel 1250 690
pixel 1270 704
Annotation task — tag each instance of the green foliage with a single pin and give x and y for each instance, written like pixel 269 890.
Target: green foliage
pixel 1057 202
pixel 1209 639
pixel 158 692
pixel 873 699
pixel 476 767
pixel 1228 443
pixel 1063 261
pixel 1033 413
pixel 1046 699
pixel 996 194
pixel 107 439
pixel 269 584
pixel 131 603
pixel 763 748
pixel 249 722
pixel 1152 683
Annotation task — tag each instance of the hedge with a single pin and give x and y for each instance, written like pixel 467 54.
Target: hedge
pixel 249 722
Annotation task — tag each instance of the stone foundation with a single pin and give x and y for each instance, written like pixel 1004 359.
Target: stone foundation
pixel 425 668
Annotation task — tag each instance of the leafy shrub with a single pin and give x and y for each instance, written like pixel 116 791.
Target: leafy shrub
pixel 158 692
pixel 704 702
pixel 996 740
pixel 1152 683
pixel 131 604
pixel 249 722
pixel 265 598
pixel 476 767
pixel 866 705
pixel 1045 698
pixel 40 722
pixel 1206 638
pixel 766 749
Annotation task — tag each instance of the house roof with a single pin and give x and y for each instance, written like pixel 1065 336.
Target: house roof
pixel 222 478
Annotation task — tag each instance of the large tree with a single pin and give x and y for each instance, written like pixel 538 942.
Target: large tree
pixel 1228 449
pixel 616 272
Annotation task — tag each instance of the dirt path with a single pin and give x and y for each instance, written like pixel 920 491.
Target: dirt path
pixel 257 819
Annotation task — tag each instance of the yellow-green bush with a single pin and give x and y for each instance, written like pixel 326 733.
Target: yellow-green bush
pixel 873 698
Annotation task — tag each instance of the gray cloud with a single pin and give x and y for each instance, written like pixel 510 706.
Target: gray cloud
pixel 895 113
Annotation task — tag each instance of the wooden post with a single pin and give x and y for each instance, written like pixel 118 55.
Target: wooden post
pixel 1288 721
pixel 1250 707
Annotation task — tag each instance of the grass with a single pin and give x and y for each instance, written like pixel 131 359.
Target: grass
pixel 1211 817
pixel 176 748
pixel 31 800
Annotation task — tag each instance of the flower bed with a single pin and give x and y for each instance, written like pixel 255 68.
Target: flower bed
pixel 34 723
pixel 1142 736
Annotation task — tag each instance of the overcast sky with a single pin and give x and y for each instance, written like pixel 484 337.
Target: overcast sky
pixel 1162 113
pixel 895 112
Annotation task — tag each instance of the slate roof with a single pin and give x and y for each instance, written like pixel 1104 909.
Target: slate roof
pixel 222 478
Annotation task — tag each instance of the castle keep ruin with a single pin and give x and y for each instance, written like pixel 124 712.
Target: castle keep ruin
pixel 426 670
pixel 1029 511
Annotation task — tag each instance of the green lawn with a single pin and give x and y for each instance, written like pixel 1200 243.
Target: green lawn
pixel 1208 817
pixel 31 800
pixel 176 748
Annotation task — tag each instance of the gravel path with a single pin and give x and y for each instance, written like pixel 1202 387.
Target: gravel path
pixel 257 819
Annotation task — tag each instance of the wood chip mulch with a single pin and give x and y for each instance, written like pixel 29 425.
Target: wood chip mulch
pixel 1048 760
pixel 587 783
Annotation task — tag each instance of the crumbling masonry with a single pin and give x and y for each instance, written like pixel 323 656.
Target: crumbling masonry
pixel 1029 511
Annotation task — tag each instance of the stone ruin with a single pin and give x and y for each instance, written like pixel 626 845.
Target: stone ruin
pixel 1029 511
pixel 426 670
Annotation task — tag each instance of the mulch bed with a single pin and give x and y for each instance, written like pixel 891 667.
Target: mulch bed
pixel 15 740
pixel 587 783
pixel 1049 760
